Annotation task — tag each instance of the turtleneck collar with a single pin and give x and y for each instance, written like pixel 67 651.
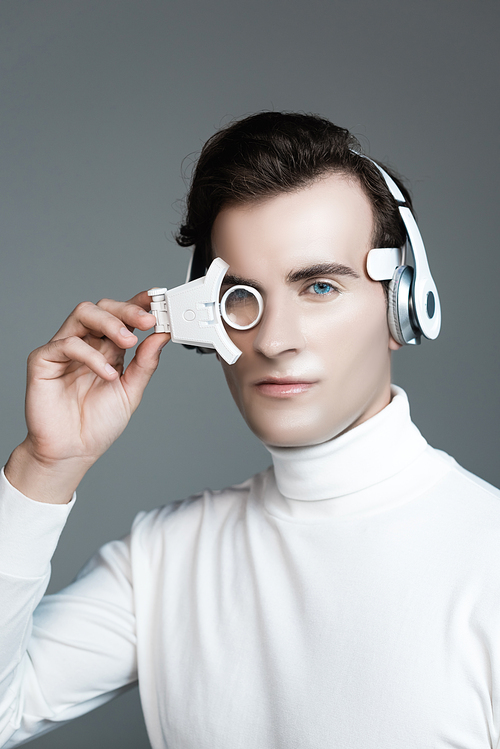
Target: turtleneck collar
pixel 356 460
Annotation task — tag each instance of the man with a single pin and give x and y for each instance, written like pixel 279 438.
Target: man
pixel 346 597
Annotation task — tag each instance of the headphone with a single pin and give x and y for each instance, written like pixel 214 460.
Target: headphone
pixel 414 309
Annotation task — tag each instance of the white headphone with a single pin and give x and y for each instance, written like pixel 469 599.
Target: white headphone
pixel 414 307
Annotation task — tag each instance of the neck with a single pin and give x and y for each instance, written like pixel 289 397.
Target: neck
pixel 364 455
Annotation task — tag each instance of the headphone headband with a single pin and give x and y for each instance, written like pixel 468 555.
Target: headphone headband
pixel 424 308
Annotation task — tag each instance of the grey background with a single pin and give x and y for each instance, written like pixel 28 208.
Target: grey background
pixel 104 105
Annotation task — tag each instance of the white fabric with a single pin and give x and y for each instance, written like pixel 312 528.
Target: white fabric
pixel 254 617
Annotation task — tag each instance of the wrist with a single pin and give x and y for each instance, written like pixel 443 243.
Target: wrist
pixel 49 481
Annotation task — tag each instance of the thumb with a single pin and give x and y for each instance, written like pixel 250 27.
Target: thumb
pixel 141 368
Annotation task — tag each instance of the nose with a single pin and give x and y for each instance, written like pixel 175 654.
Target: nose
pixel 279 331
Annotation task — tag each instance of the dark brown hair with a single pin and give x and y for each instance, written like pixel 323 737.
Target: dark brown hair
pixel 274 152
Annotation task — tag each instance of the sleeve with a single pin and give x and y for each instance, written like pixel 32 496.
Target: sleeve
pixel 68 653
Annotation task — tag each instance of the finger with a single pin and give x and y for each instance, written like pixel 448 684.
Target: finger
pixel 135 312
pixel 95 319
pixel 142 367
pixel 112 353
pixel 106 346
pixel 142 299
pixel 51 361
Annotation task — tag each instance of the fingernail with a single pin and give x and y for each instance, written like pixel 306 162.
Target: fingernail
pixel 109 369
pixel 160 349
pixel 126 332
pixel 143 312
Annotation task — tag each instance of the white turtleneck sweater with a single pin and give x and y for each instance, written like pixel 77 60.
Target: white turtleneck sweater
pixel 347 599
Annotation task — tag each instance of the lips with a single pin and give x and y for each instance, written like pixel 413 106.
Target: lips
pixel 283 387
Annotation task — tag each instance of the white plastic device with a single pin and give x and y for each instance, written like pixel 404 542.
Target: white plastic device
pixel 193 315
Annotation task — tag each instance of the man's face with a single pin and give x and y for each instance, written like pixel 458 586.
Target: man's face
pixel 318 362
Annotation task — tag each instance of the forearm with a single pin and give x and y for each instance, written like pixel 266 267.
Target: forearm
pixel 64 654
pixel 29 532
pixel 52 482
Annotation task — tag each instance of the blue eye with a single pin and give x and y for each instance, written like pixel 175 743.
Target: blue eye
pixel 321 287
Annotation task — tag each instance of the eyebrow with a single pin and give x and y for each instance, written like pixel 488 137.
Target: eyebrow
pixel 231 280
pixel 302 274
pixel 321 269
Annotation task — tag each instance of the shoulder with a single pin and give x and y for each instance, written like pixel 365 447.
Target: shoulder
pixel 464 509
pixel 203 513
pixel 462 484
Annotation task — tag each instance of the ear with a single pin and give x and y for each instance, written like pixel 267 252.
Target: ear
pixel 394 345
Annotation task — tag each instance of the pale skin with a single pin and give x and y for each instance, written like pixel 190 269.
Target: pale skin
pixel 316 365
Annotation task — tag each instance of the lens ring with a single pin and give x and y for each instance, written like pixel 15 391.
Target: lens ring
pixel 225 316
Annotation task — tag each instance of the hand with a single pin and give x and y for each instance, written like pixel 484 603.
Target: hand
pixel 79 398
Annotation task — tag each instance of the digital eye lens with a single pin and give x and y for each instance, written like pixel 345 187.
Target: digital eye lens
pixel 241 307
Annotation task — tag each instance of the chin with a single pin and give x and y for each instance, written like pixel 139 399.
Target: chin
pixel 292 435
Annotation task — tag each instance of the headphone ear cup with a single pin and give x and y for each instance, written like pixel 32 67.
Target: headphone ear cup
pixel 399 313
pixel 392 312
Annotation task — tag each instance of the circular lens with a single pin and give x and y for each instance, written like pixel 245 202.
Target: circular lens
pixel 241 307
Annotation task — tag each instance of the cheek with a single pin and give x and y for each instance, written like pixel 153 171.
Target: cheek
pixel 357 340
